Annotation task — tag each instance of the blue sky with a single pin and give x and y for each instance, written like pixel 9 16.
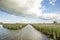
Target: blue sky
pixel 50 10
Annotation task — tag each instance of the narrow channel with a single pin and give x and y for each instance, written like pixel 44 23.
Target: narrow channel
pixel 26 33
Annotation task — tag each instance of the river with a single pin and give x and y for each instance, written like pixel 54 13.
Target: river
pixel 26 33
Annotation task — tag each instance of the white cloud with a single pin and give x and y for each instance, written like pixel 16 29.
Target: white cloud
pixel 52 2
pixel 49 16
pixel 28 8
pixel 58 17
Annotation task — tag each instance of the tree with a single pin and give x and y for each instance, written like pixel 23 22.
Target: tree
pixel 55 22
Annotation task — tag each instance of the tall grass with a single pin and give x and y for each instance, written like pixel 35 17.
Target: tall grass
pixel 51 30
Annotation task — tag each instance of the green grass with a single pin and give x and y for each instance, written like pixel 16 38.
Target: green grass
pixel 14 26
pixel 48 29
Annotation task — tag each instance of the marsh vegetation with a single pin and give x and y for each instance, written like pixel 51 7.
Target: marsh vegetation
pixel 51 30
pixel 14 26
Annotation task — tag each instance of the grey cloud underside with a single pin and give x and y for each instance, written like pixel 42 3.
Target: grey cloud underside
pixel 26 8
pixel 22 7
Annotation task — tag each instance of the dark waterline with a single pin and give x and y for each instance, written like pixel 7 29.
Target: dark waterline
pixel 27 33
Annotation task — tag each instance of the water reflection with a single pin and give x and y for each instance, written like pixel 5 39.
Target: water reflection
pixel 27 33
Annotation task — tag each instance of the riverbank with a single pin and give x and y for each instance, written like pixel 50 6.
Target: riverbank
pixel 51 30
pixel 26 33
pixel 14 26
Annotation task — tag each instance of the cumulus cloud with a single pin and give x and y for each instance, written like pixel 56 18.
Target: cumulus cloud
pixel 31 8
pixel 58 17
pixel 28 8
pixel 49 16
pixel 52 2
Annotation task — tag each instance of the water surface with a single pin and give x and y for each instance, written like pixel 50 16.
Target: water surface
pixel 26 33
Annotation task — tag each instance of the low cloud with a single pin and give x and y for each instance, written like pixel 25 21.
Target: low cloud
pixel 49 16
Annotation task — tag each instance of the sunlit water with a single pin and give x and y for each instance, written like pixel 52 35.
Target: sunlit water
pixel 26 33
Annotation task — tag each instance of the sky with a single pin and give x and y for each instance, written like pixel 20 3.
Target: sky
pixel 29 11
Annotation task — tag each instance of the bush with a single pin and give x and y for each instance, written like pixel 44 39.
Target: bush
pixel 55 22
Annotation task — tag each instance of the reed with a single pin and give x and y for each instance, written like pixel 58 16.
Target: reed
pixel 51 30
